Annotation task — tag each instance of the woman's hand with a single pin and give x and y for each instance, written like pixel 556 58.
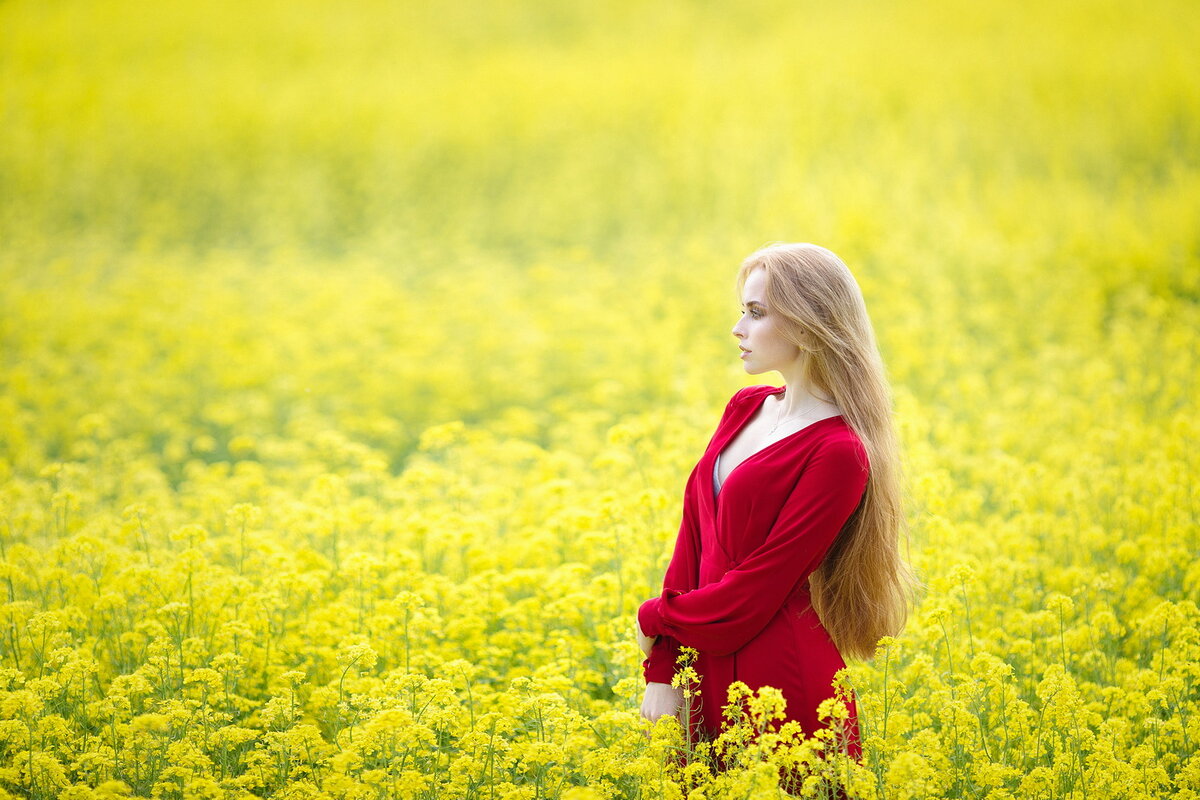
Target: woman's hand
pixel 661 700
pixel 645 642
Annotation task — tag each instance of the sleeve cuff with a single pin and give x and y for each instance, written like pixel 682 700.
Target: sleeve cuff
pixel 658 671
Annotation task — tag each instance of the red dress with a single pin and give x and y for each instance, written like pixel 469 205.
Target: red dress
pixel 736 589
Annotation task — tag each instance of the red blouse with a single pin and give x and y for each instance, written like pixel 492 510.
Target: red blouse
pixel 736 589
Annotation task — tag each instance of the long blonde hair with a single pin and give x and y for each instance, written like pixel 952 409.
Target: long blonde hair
pixel 862 588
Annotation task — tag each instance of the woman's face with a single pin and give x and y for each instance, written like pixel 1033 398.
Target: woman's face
pixel 763 346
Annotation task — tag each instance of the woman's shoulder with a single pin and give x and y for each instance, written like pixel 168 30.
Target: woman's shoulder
pixel 744 396
pixel 748 393
pixel 838 439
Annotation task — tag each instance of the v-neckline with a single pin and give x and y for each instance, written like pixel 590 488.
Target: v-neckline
pixel 725 444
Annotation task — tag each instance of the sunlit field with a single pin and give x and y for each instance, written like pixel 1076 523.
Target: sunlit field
pixel 353 357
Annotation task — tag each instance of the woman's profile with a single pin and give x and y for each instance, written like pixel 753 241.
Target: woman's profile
pixel 787 558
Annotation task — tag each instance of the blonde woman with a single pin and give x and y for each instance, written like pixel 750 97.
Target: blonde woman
pixel 788 556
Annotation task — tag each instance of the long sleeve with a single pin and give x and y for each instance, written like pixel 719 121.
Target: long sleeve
pixel 682 575
pixel 723 616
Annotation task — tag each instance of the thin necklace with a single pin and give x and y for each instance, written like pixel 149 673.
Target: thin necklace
pixel 780 419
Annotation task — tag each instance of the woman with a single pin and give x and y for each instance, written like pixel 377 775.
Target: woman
pixel 788 554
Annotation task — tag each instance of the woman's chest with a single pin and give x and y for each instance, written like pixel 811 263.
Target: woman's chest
pixel 741 446
pixel 736 520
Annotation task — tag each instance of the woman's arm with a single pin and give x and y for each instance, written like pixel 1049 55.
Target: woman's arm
pixel 682 575
pixel 723 616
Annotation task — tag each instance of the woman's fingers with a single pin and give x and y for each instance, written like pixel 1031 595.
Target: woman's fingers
pixel 646 643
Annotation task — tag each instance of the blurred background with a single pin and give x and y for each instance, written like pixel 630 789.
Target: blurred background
pixel 397 173
pixel 582 172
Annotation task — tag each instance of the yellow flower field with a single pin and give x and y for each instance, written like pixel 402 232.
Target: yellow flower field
pixel 353 357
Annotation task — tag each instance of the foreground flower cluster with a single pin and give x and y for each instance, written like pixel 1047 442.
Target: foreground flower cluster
pixel 343 430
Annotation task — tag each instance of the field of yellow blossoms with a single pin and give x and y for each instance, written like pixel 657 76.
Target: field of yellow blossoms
pixel 353 357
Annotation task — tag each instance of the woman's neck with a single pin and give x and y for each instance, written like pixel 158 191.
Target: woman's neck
pixel 802 397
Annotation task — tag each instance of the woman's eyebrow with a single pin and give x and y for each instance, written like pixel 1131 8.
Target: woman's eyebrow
pixel 753 303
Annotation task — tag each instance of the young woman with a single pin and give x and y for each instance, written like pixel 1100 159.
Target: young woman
pixel 788 555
